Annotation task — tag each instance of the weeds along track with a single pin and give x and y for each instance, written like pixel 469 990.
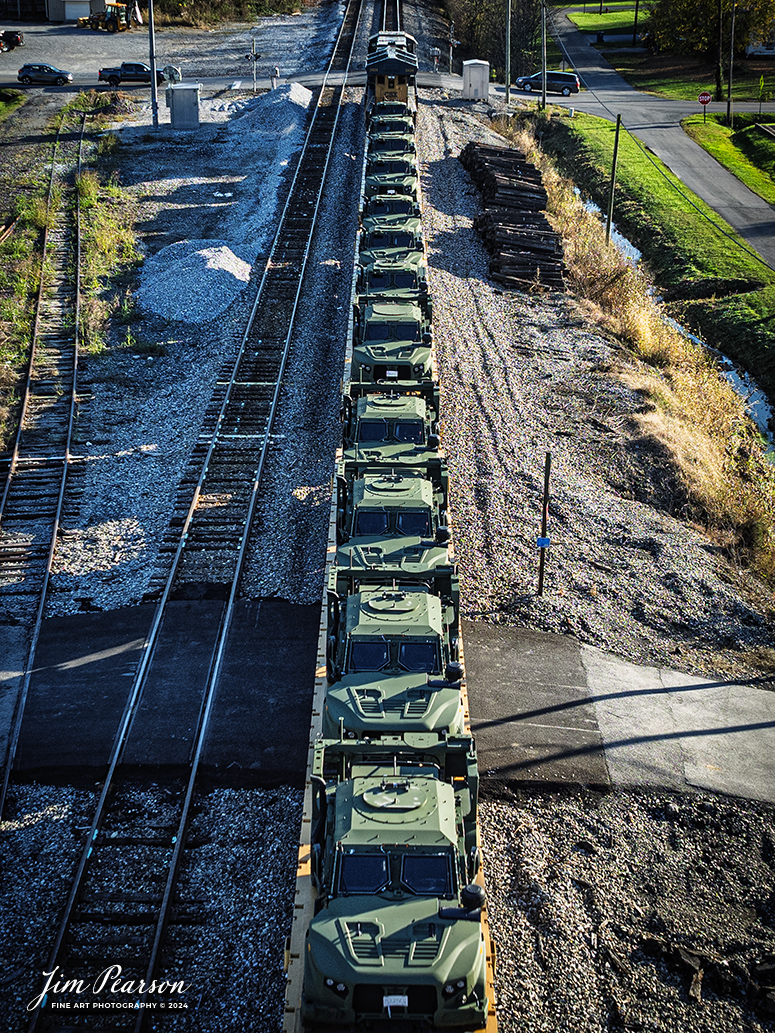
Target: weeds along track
pixel 35 470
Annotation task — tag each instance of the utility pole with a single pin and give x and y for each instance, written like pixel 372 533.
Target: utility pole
pixel 610 214
pixel 152 47
pixel 508 50
pixel 720 57
pixel 635 25
pixel 543 55
pixel 731 60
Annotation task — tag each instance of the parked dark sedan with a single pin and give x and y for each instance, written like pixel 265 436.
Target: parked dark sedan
pixel 46 74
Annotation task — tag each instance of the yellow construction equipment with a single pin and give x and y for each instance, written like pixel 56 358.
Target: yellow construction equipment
pixel 115 18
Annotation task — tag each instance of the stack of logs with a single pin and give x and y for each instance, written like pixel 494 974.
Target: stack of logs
pixel 525 250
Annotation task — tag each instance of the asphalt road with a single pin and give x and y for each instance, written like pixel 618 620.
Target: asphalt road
pixel 656 121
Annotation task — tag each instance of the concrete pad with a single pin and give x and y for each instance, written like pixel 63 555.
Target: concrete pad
pixel 665 728
pixel 530 708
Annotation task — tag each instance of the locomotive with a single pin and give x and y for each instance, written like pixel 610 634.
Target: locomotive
pixel 397 935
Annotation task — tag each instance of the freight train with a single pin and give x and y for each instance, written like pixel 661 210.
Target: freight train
pixel 397 937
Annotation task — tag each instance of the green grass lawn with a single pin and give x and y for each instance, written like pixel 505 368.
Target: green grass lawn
pixel 10 100
pixel 748 154
pixel 700 264
pixel 618 20
pixel 683 78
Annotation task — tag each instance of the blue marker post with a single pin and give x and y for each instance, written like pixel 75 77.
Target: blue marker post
pixel 544 542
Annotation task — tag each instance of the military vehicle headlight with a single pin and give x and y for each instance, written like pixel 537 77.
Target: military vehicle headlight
pixel 419 368
pixel 366 369
pixel 339 988
pixel 454 988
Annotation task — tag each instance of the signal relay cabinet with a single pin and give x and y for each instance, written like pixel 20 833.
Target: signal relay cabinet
pixel 476 80
pixel 183 101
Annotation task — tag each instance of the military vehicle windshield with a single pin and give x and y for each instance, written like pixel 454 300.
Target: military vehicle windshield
pixel 426 874
pixel 404 331
pixel 375 655
pixel 412 522
pixel 389 144
pixel 401 165
pixel 407 431
pixel 363 873
pixel 392 207
pixel 368 656
pixel 381 280
pixel 417 656
pixel 379 238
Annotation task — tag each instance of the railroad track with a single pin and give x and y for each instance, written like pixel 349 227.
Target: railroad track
pixel 108 921
pixel 36 471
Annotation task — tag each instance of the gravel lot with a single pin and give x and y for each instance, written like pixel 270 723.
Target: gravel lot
pixel 628 911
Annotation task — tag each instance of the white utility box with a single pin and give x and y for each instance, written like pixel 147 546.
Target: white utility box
pixel 183 101
pixel 476 80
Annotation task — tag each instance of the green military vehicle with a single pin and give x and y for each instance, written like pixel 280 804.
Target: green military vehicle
pixel 384 232
pixel 396 277
pixel 392 428
pixel 390 143
pixel 390 109
pixel 386 175
pixel 393 523
pixel 381 205
pixel 398 938
pixel 382 122
pixel 392 662
pixel 391 342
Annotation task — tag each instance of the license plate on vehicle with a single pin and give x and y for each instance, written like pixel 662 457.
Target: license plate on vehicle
pixel 391 372
pixel 395 1001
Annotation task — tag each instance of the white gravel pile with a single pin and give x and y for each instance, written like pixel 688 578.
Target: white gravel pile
pixel 192 281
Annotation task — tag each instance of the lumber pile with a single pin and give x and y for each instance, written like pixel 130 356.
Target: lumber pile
pixel 524 249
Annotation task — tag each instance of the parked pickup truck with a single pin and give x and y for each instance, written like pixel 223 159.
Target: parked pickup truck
pixel 129 71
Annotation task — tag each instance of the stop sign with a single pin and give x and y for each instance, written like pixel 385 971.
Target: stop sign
pixel 704 98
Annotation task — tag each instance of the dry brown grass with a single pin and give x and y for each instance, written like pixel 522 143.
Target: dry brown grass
pixel 692 410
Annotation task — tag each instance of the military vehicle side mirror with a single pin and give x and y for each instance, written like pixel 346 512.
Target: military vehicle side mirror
pixel 473 896
pixel 423 286
pixel 433 441
pixel 427 338
pixel 453 671
pixel 442 534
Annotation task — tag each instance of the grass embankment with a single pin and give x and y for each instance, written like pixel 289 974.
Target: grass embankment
pixel 683 77
pixel 107 250
pixel 10 100
pixel 746 151
pixel 691 410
